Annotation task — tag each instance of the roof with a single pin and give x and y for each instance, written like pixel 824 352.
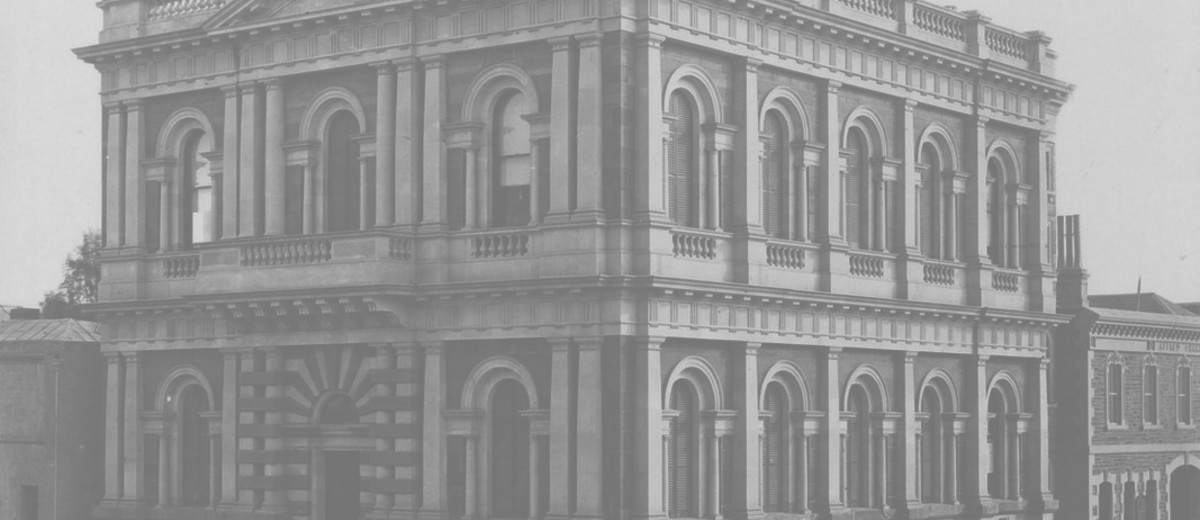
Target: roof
pixel 62 330
pixel 1192 306
pixel 1144 302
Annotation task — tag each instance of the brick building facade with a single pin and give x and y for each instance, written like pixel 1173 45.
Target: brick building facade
pixel 1126 402
pixel 575 258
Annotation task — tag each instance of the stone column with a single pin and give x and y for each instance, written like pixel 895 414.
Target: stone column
pixel 535 182
pixel 113 440
pixel 1043 433
pixel 977 238
pixel 589 122
pixel 215 209
pixel 748 190
pixel 714 190
pixel 534 485
pixel 164 215
pixel 1015 228
pixel 214 469
pixel 651 183
pixel 472 203
pixel 248 167
pixel 884 468
pixel 648 446
pixel 229 448
pixel 910 184
pixel 385 142
pixel 560 130
pixel 560 426
pixel 747 467
pixel 164 468
pixel 472 474
pixel 714 471
pixel 131 430
pixel 912 475
pixel 310 199
pixel 366 218
pixel 135 183
pixel 952 224
pixel 275 183
pixel 978 492
pixel 407 133
pixel 802 474
pixel 831 456
pixel 114 231
pixel 952 466
pixel 1014 464
pixel 433 176
pixel 589 453
pixel 800 197
pixel 230 157
pixel 433 459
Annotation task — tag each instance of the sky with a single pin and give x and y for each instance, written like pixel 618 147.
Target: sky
pixel 1128 141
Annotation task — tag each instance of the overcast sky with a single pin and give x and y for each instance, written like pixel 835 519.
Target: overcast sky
pixel 1128 141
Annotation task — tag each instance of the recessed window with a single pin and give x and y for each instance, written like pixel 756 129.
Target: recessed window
pixel 1183 399
pixel 1115 382
pixel 1150 395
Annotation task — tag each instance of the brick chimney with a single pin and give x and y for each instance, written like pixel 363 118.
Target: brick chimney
pixel 1072 277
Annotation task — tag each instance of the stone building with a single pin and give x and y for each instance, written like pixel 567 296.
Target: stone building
pixel 575 258
pixel 1126 402
pixel 51 418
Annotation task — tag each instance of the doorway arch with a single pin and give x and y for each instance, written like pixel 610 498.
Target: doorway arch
pixel 1185 492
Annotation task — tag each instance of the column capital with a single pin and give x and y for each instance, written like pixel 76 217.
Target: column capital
pixel 909 357
pixel 112 357
pixel 982 359
pixel 382 348
pixel 404 64
pixel 648 343
pixel 230 90
pixel 751 64
pixel 649 40
pixel 589 342
pixel 559 344
pixel 133 104
pixel 752 347
pixel 247 88
pixel 589 39
pixel 832 86
pixel 981 121
pixel 559 43
pixel 433 62
pixel 909 104
pixel 833 352
pixel 1043 363
pixel 384 68
pixel 111 107
pixel 273 84
pixel 433 347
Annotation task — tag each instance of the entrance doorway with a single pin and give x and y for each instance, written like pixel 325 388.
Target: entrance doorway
pixel 342 485
pixel 1185 492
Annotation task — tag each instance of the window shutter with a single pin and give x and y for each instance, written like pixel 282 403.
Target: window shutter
pixel 1150 391
pixel 929 197
pixel 773 452
pixel 680 160
pixel 929 436
pixel 1184 385
pixel 682 446
pixel 855 167
pixel 773 167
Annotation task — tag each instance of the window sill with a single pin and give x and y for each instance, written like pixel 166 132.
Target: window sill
pixel 1118 427
pixel 1152 427
pixel 1185 426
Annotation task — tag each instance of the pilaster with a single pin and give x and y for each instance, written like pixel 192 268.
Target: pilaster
pixel 910 270
pixel 250 179
pixel 434 216
pixel 113 440
pixel 648 446
pixel 650 186
pixel 135 183
pixel 560 135
pixel 408 131
pixel 747 190
pixel 560 427
pixel 589 123
pixel 433 450
pixel 589 428
pixel 979 268
pixel 385 143
pixel 229 447
pixel 131 433
pixel 747 462
pixel 114 181
pixel 274 189
pixel 911 428
pixel 830 457
pixel 975 489
pixel 230 156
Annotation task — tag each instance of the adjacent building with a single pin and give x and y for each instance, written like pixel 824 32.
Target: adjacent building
pixel 51 418
pixel 575 258
pixel 1126 401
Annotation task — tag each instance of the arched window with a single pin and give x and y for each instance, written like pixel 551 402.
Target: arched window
pixel 512 173
pixel 858 448
pixel 929 203
pixel 1129 501
pixel 1106 501
pixel 995 212
pixel 510 451
pixel 1183 395
pixel 342 173
pixel 1151 500
pixel 196 208
pixel 858 176
pixel 775 175
pixel 1116 415
pixel 933 442
pixel 997 439
pixel 775 456
pixel 683 446
pixel 682 186
pixel 193 448
pixel 1150 394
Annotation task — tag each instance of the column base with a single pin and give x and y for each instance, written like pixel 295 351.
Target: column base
pixel 555 217
pixel 587 215
pixel 432 514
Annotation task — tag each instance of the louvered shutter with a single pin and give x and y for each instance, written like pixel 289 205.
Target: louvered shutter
pixel 929 197
pixel 855 169
pixel 854 462
pixel 680 159
pixel 773 166
pixel 929 437
pixel 682 447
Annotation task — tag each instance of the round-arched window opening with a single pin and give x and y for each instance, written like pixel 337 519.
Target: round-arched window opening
pixel 338 409
pixel 197 203
pixel 193 448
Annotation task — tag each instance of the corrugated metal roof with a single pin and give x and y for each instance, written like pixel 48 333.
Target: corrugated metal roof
pixel 68 330
pixel 1144 302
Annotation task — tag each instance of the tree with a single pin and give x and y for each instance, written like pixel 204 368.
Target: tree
pixel 81 276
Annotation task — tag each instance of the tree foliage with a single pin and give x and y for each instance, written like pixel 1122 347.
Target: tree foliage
pixel 81 276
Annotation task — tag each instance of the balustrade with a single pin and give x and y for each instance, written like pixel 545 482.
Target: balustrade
pixel 939 274
pixel 884 8
pixel 1005 281
pixel 938 22
pixel 1007 44
pixel 287 253
pixel 400 248
pixel 160 9
pixel 181 266
pixel 785 256
pixel 866 266
pixel 500 245
pixel 693 245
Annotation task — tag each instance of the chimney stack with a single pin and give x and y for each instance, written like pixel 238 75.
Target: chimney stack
pixel 1072 277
